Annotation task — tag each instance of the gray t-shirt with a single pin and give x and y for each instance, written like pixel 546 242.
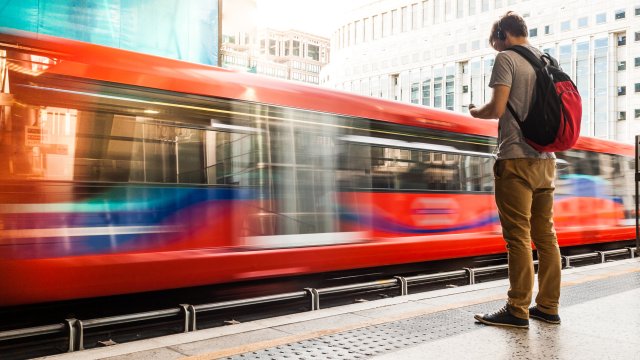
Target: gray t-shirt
pixel 512 70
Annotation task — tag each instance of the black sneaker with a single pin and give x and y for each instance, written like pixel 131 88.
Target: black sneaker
pixel 502 317
pixel 535 313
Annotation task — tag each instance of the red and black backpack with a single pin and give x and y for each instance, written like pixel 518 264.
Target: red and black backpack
pixel 553 121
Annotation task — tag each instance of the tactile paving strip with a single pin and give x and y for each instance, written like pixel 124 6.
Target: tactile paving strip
pixel 379 339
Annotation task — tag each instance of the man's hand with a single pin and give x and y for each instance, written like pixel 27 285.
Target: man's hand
pixel 494 108
pixel 473 111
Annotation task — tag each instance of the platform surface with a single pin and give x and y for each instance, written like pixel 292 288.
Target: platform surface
pixel 600 310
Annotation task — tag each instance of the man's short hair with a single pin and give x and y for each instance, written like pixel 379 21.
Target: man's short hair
pixel 511 23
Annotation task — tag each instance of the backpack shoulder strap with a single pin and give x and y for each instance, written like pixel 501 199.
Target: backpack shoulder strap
pixel 528 55
pixel 513 112
pixel 533 60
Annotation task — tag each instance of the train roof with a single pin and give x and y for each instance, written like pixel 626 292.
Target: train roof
pixel 86 60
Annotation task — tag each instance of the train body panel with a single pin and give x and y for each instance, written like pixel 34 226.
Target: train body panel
pixel 118 178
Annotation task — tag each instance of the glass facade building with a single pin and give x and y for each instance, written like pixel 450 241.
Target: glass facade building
pixel 440 49
pixel 184 30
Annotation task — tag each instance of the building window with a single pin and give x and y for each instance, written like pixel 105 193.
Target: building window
pixel 498 4
pixel 395 22
pixel 460 9
pixel 449 95
pixel 386 24
pixel 620 14
pixel 622 90
pixel 637 113
pixel 415 93
pixel 448 10
pixel 637 87
pixel 287 46
pixel 296 48
pixel 533 32
pixel 475 45
pixel 564 58
pixel 272 47
pixel 406 19
pixel 313 51
pixel 425 13
pixel 583 22
pixel 622 40
pixel 565 25
pixel 601 18
pixel 637 36
pixel 547 30
pixel 485 5
pixel 367 29
pixel 414 16
pixel 352 34
pixel 622 115
pixel 622 65
pixel 638 11
pixel 426 92
pixel 437 91
pixel 377 27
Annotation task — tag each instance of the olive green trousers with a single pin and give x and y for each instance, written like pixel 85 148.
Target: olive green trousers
pixel 524 197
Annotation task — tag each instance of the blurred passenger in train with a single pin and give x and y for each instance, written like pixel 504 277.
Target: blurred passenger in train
pixel 524 184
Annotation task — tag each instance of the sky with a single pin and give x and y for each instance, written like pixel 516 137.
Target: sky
pixel 318 17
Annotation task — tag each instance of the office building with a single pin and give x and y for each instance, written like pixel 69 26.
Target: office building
pixel 436 53
pixel 288 54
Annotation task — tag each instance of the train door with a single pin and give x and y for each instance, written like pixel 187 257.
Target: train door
pixel 298 192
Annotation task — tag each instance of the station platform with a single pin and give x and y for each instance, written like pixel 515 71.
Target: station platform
pixel 600 311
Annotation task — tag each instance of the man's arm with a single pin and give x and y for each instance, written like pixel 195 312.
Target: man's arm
pixel 494 108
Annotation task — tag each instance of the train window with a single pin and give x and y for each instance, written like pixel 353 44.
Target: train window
pixel 68 130
pixel 426 171
pixel 591 174
pixel 231 158
pixel 403 161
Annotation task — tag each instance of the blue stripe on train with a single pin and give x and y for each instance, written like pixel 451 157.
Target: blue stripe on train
pixel 128 206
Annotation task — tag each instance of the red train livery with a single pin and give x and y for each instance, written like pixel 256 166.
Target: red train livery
pixel 122 172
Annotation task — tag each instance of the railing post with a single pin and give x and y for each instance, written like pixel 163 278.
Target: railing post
pixel 404 286
pixel 471 274
pixel 192 312
pixel 189 317
pixel 76 334
pixel 314 298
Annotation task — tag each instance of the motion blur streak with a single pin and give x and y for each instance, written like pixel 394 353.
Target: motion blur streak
pixel 122 172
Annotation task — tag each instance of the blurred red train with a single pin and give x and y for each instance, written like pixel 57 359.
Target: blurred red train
pixel 122 172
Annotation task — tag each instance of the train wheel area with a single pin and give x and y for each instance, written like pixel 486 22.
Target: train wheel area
pixel 597 307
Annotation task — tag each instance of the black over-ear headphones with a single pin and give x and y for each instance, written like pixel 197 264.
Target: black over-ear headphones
pixel 499 33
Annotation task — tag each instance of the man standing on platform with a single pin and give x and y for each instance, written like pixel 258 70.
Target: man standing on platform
pixel 524 184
